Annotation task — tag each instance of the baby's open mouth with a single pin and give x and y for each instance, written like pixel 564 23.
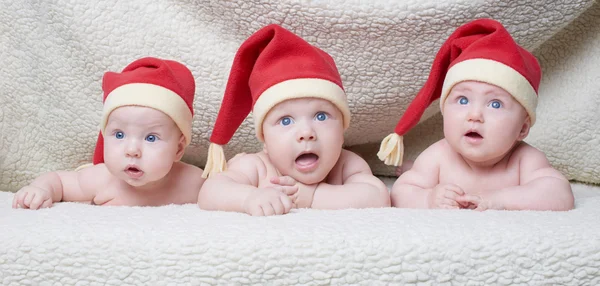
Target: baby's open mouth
pixel 473 135
pixel 307 159
pixel 134 171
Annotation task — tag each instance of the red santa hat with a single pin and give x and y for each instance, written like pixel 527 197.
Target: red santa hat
pixel 271 66
pixel 481 50
pixel 164 85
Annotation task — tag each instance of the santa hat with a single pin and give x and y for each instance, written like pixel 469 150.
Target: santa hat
pixel 271 66
pixel 164 85
pixel 481 50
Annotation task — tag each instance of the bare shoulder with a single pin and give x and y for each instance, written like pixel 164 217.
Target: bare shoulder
pixel 188 173
pixel 533 164
pixel 529 157
pixel 522 149
pixel 349 156
pixel 433 154
pixel 440 146
pixel 352 162
pixel 245 167
pixel 94 176
pixel 248 162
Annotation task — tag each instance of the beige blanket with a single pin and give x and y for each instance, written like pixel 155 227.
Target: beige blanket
pixel 53 54
pixel 79 244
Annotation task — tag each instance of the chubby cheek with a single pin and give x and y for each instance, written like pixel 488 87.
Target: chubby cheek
pixel 113 156
pixel 503 141
pixel 282 158
pixel 159 160
pixel 451 130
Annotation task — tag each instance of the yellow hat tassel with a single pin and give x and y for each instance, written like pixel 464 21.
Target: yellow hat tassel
pixel 216 162
pixel 391 150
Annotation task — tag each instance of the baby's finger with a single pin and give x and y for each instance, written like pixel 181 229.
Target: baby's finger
pixel 289 190
pixel 278 207
pixel 256 211
pixel 450 202
pixel 36 202
pixel 287 203
pixel 449 207
pixel 283 180
pixel 451 195
pixel 466 199
pixel 20 198
pixel 456 189
pixel 47 203
pixel 28 198
pixel 15 202
pixel 267 209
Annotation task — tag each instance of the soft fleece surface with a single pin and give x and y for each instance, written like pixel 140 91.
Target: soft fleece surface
pixel 53 54
pixel 181 245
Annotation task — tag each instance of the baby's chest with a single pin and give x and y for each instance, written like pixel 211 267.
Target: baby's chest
pixel 118 197
pixel 123 197
pixel 480 182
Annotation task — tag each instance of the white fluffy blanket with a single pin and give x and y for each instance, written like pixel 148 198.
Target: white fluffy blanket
pixel 81 244
pixel 53 54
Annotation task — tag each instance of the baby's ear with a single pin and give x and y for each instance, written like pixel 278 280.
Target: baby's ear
pixel 525 129
pixel 180 148
pixel 265 148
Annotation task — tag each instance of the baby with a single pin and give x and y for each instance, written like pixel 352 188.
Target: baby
pixel 487 86
pixel 300 114
pixel 145 128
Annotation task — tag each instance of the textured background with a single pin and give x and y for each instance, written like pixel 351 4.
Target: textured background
pixel 53 55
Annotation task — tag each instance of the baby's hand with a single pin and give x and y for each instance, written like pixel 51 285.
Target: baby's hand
pixel 32 197
pixel 406 165
pixel 478 203
pixel 303 196
pixel 288 184
pixel 268 201
pixel 445 196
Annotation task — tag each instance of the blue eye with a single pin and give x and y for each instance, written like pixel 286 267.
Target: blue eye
pixel 496 104
pixel 285 121
pixel 463 100
pixel 321 116
pixel 151 138
pixel 119 135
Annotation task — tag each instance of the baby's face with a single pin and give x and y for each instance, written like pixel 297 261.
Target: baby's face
pixel 141 144
pixel 303 138
pixel 482 122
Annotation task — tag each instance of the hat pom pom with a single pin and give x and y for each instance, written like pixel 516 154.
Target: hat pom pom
pixel 391 150
pixel 215 162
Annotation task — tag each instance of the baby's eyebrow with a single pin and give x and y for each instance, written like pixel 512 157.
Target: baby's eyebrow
pixel 154 126
pixel 498 93
pixel 461 88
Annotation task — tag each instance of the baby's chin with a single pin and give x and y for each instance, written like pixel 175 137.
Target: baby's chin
pixel 484 159
pixel 309 179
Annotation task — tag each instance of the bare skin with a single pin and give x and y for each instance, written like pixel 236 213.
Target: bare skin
pixel 482 163
pixel 143 147
pixel 303 165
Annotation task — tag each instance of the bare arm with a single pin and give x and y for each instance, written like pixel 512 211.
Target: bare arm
pixel 541 188
pixel 236 190
pixel 228 190
pixel 360 189
pixel 68 186
pixel 413 188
